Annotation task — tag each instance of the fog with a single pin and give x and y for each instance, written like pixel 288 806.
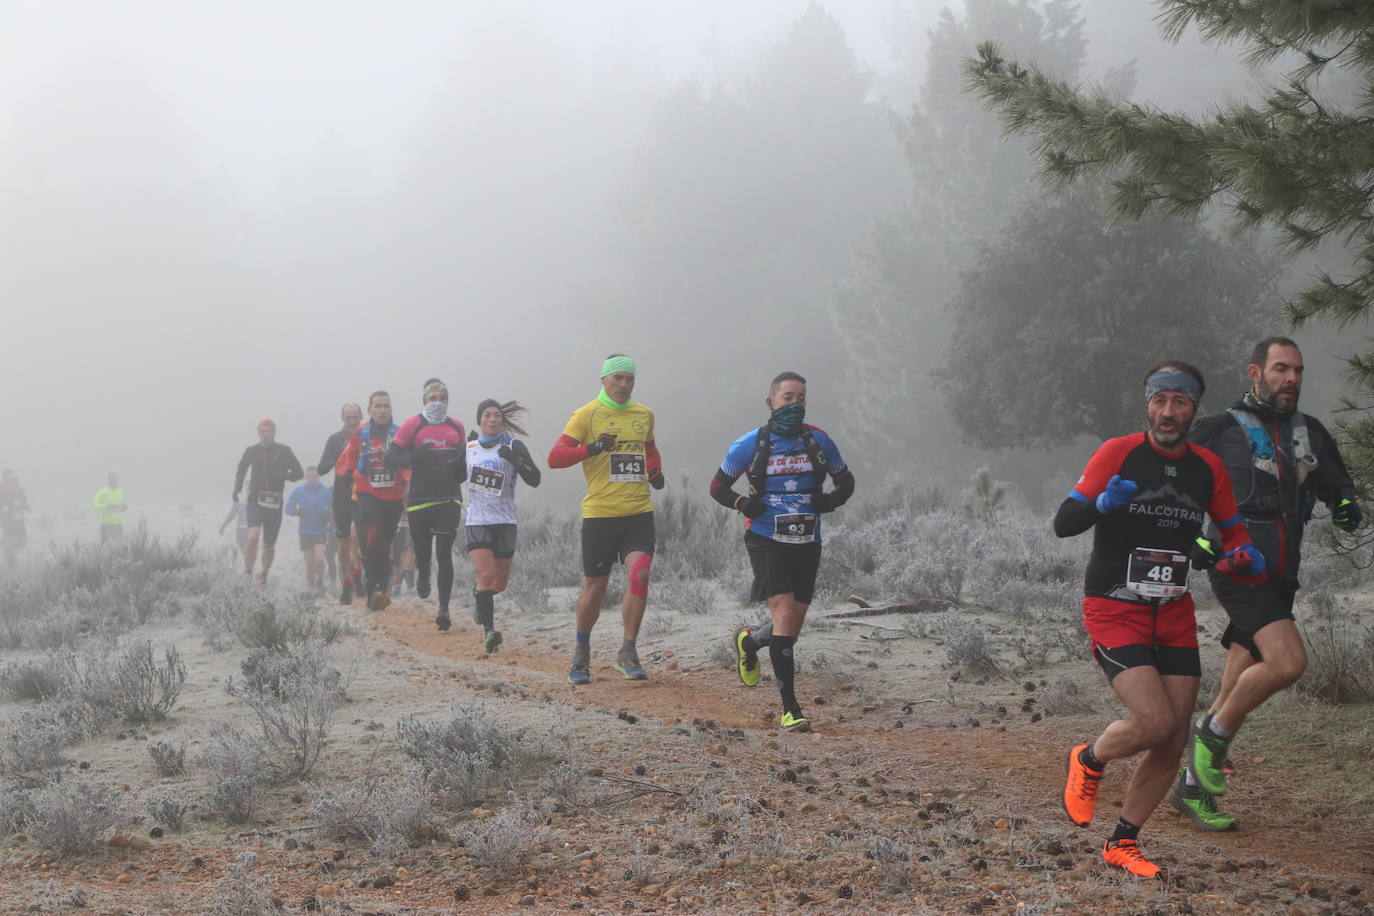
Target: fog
pixel 215 212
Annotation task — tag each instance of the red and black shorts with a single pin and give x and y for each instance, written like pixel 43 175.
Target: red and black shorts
pixel 1128 634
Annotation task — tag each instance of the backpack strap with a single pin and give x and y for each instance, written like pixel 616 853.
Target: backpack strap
pixel 763 448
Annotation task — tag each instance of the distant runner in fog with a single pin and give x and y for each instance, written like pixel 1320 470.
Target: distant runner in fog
pixel 341 456
pixel 612 437
pixel 13 506
pixel 495 456
pixel 109 502
pixel 1146 497
pixel 786 461
pixel 310 502
pixel 271 465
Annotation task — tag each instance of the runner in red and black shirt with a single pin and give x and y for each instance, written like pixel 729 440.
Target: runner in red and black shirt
pixel 1146 497
pixel 381 492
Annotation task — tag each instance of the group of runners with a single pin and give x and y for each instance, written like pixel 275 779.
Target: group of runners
pixel 384 472
pixel 390 479
pixel 108 503
pixel 1257 469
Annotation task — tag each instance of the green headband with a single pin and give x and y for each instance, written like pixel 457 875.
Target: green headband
pixel 615 364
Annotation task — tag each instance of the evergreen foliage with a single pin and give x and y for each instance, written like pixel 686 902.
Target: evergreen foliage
pixel 1299 161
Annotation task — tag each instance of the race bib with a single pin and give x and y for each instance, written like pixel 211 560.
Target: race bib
pixel 381 477
pixel 628 467
pixel 269 500
pixel 487 480
pixel 797 528
pixel 1155 573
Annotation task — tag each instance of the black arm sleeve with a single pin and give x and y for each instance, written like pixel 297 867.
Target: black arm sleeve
pixel 396 457
pixel 722 489
pixel 244 462
pixel 333 448
pixel 1074 518
pixel 1331 481
pixel 458 467
pixel 524 463
pixel 294 471
pixel 844 487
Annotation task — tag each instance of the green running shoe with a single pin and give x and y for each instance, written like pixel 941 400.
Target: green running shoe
pixel 795 721
pixel 748 664
pixel 1199 805
pixel 1209 756
pixel 631 668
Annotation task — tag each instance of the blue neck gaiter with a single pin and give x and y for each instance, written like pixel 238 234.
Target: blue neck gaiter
pixel 788 421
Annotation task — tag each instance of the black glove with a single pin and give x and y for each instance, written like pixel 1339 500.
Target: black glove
pixel 751 508
pixel 602 443
pixel 656 480
pixel 1206 552
pixel 1346 514
pixel 824 502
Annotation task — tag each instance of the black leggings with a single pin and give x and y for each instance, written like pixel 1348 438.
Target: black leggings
pixel 441 523
pixel 377 520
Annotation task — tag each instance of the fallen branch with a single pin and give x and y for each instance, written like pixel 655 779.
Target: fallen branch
pixel 918 606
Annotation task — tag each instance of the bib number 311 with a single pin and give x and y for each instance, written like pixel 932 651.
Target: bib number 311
pixel 1157 573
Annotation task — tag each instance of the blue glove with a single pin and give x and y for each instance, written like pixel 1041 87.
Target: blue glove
pixel 1117 494
pixel 1347 515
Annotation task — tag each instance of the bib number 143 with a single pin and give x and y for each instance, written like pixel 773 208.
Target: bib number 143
pixel 628 467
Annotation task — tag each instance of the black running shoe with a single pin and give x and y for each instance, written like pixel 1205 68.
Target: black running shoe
pixel 442 621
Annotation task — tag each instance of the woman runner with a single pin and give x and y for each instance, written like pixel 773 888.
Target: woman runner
pixel 494 457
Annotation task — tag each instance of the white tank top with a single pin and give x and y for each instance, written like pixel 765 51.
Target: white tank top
pixel 491 486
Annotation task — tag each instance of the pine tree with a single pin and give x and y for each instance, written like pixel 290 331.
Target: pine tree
pixel 1300 161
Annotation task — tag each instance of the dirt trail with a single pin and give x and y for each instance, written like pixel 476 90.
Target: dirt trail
pixel 1014 770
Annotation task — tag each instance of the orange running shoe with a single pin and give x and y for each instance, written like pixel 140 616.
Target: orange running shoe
pixel 1080 789
pixel 1126 854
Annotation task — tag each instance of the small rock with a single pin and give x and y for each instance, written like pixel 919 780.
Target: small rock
pixel 585 856
pixel 527 900
pixel 155 833
pixel 718 750
pixel 641 769
pixel 384 881
pixel 594 771
pixel 461 893
pixel 118 841
pixel 325 890
pixel 627 717
pixel 124 878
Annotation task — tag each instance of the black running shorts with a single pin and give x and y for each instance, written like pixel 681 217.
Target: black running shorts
pixel 343 504
pixel 1251 608
pixel 782 569
pixel 1182 661
pixel 438 520
pixel 269 520
pixel 606 540
pixel 499 539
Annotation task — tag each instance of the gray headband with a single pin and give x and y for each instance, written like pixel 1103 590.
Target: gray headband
pixel 1173 380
